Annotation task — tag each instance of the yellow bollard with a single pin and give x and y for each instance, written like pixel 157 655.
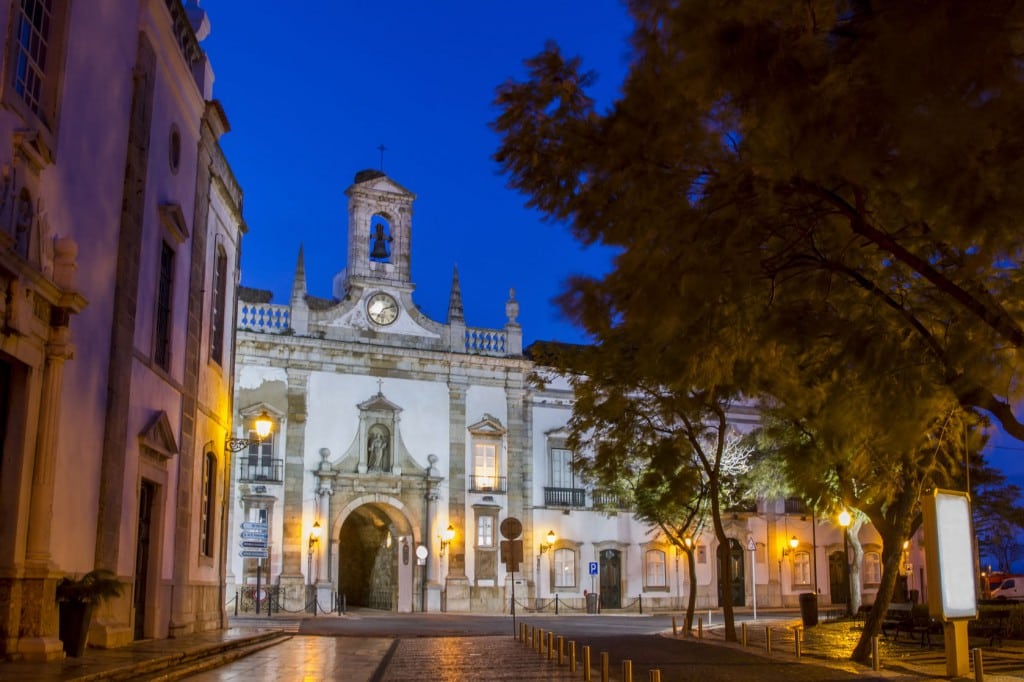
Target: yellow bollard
pixel 540 640
pixel 533 637
pixel 561 650
pixel 876 664
pixel 551 645
pixel 675 632
pixel 572 656
pixel 743 634
pixel 655 675
pixel 796 646
pixel 627 670
pixel 604 666
pixel 979 665
pixel 586 663
pixel 768 640
pixel 700 627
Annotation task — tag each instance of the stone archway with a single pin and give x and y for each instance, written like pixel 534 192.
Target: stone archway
pixel 376 563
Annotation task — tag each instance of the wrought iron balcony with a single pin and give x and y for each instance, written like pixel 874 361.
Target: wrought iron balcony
pixel 565 497
pixel 488 484
pixel 794 505
pixel 267 471
pixel 605 499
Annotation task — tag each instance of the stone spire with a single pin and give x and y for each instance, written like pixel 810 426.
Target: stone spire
pixel 455 300
pixel 299 312
pixel 513 332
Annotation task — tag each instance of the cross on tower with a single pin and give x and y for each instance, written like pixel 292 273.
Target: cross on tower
pixel 380 387
pixel 381 148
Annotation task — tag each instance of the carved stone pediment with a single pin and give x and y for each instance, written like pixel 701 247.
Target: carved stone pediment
pixel 157 439
pixel 488 426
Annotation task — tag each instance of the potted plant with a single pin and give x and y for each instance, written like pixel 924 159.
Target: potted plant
pixel 76 599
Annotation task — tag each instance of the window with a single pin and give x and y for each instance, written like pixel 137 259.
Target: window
pixel 564 567
pixel 36 58
pixel 801 568
pixel 702 554
pixel 872 568
pixel 561 468
pixel 206 532
pixel 485 531
pixel 220 287
pixel 164 299
pixel 261 457
pixel 654 568
pixel 485 464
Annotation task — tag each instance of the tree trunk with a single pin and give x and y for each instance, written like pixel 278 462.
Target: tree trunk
pixel 724 575
pixel 892 546
pixel 856 561
pixel 691 601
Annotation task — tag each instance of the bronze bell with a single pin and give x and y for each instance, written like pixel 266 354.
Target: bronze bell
pixel 379 246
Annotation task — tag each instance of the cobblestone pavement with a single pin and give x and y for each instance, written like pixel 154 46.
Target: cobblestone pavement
pixel 455 659
pixel 353 659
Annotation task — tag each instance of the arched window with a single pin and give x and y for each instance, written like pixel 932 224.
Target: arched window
pixel 654 568
pixel 206 529
pixel 564 567
pixel 872 568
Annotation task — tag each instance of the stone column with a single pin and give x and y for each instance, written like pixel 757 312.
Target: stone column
pixel 39 641
pixel 457 597
pixel 325 489
pixel 294 544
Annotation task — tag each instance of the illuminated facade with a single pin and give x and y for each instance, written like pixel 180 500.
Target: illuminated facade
pixel 392 428
pixel 120 226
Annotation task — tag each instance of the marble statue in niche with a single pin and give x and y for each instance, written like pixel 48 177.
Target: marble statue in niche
pixel 378 449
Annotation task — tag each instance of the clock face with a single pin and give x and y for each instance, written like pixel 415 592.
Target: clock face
pixel 382 309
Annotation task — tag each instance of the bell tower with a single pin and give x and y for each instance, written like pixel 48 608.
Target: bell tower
pixel 379 233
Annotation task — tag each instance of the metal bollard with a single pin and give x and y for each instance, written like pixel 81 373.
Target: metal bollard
pixel 627 670
pixel 540 640
pixel 768 640
pixel 796 646
pixel 236 603
pixel 551 645
pixel 876 665
pixel 604 666
pixel 655 675
pixel 979 665
pixel 675 631
pixel 743 634
pixel 700 627
pixel 586 663
pixel 572 656
pixel 561 650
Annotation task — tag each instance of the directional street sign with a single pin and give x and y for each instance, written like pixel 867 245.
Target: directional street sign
pixel 255 543
pixel 253 535
pixel 254 525
pixel 255 553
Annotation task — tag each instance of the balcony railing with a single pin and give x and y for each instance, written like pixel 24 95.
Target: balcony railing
pixel 606 499
pixel 265 472
pixel 488 484
pixel 795 505
pixel 565 497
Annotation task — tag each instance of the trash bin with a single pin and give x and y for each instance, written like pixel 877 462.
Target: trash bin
pixel 809 609
pixel 592 602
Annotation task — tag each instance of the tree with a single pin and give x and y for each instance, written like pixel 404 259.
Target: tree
pixel 672 446
pixel 849 174
pixel 998 514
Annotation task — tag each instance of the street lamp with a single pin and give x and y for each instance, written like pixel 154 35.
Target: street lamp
pixel 545 546
pixel 263 424
pixel 844 521
pixel 793 544
pixel 446 538
pixel 314 538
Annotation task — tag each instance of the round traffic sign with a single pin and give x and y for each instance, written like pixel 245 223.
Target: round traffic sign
pixel 511 528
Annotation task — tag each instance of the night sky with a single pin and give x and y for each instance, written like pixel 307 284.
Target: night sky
pixel 311 96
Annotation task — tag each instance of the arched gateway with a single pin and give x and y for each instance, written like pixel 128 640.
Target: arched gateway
pixel 376 557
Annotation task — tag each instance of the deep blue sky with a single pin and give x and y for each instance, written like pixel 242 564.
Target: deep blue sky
pixel 310 96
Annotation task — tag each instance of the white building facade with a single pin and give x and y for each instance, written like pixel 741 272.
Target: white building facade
pixel 401 444
pixel 120 225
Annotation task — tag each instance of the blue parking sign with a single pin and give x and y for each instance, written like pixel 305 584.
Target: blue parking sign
pixel 593 568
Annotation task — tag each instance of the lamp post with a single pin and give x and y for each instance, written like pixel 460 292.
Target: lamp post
pixel 844 522
pixel 545 546
pixel 752 546
pixel 314 539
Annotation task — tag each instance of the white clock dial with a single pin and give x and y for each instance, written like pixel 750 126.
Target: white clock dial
pixel 382 309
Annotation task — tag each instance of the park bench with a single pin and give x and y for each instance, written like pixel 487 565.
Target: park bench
pixel 898 618
pixel 991 623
